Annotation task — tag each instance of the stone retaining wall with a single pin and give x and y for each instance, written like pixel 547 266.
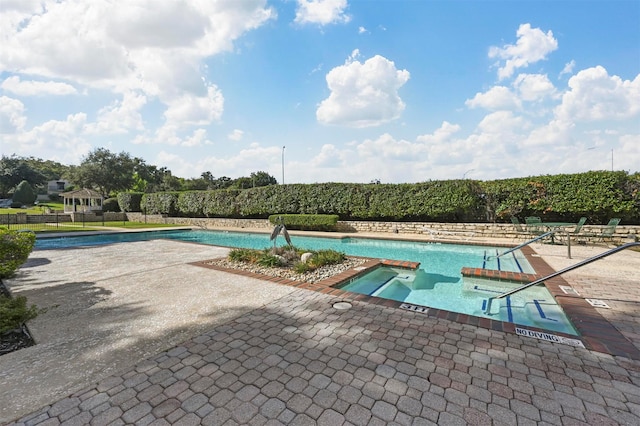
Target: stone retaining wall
pixel 623 234
pixel 24 218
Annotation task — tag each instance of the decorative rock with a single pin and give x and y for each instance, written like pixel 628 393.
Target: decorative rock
pixel 283 272
pixel 305 257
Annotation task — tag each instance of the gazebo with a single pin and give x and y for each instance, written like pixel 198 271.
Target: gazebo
pixel 82 200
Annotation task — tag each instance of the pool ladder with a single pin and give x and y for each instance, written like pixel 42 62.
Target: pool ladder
pixel 555 274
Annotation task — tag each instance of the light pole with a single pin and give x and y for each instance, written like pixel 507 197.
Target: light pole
pixel 611 159
pixel 283 165
pixel 465 173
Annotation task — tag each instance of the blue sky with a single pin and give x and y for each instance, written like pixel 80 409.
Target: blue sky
pixel 395 91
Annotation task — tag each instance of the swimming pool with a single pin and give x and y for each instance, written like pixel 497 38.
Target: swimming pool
pixel 438 282
pixel 446 259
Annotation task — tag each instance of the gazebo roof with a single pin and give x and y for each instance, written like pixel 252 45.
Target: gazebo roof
pixel 82 193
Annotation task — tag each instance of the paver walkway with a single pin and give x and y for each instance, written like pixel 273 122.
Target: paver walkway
pixel 299 360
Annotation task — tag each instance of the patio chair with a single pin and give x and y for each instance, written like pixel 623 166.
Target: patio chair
pixel 575 233
pixel 607 231
pixel 519 228
pixel 534 225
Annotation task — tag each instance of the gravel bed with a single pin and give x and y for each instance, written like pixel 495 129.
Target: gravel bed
pixel 319 274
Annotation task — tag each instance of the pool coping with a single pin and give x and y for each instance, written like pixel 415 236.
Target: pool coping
pixel 596 333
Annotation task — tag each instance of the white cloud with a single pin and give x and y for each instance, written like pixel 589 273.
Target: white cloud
pixel 568 68
pixel 321 12
pixel 534 87
pixel 168 24
pixel 533 45
pixel 555 133
pixel 36 88
pixel 595 95
pixel 362 30
pixel 441 135
pixel 121 116
pixel 195 110
pixel 57 140
pixel 498 97
pixel 236 135
pixel 502 123
pixel 12 118
pixel 170 134
pixel 363 94
pixel 386 146
pixel 244 162
pixel 156 48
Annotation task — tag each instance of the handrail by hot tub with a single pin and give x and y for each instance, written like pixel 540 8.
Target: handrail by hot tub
pixel 555 274
pixel 539 237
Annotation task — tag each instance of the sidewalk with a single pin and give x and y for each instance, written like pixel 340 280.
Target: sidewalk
pixel 279 355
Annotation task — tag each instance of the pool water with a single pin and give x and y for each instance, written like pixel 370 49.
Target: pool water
pixel 534 306
pixel 446 259
pixel 438 282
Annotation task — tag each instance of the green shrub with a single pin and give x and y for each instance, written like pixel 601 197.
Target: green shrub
pixel 307 222
pixel 269 260
pixel 15 247
pixel 14 312
pixel 301 267
pixel 130 201
pixel 191 203
pixel 24 194
pixel 243 255
pixel 221 203
pixel 599 195
pixel 326 257
pixel 160 203
pixel 110 205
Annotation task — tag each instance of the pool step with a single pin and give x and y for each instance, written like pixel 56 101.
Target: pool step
pixel 497 259
pixel 541 311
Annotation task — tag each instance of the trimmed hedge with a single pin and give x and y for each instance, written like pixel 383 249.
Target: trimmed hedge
pixel 160 203
pixel 130 201
pixel 110 205
pixel 598 195
pixel 306 222
pixel 15 247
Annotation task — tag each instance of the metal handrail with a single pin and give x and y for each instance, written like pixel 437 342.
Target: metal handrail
pixel 539 237
pixel 555 274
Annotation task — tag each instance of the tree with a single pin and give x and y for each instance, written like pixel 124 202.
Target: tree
pixel 242 183
pixel 106 172
pixel 24 193
pixel 14 170
pixel 262 179
pixel 148 178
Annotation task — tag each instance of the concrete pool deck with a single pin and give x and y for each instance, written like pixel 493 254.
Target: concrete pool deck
pixel 136 334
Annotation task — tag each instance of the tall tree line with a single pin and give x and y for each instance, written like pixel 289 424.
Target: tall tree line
pixel 110 173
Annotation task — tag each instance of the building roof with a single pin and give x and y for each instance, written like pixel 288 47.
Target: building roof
pixel 82 193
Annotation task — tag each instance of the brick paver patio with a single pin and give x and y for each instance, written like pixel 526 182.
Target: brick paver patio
pixel 301 361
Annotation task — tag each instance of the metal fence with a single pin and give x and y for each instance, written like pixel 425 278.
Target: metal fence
pixel 52 221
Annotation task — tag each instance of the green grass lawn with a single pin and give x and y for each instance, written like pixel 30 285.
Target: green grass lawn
pixel 38 209
pixel 86 226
